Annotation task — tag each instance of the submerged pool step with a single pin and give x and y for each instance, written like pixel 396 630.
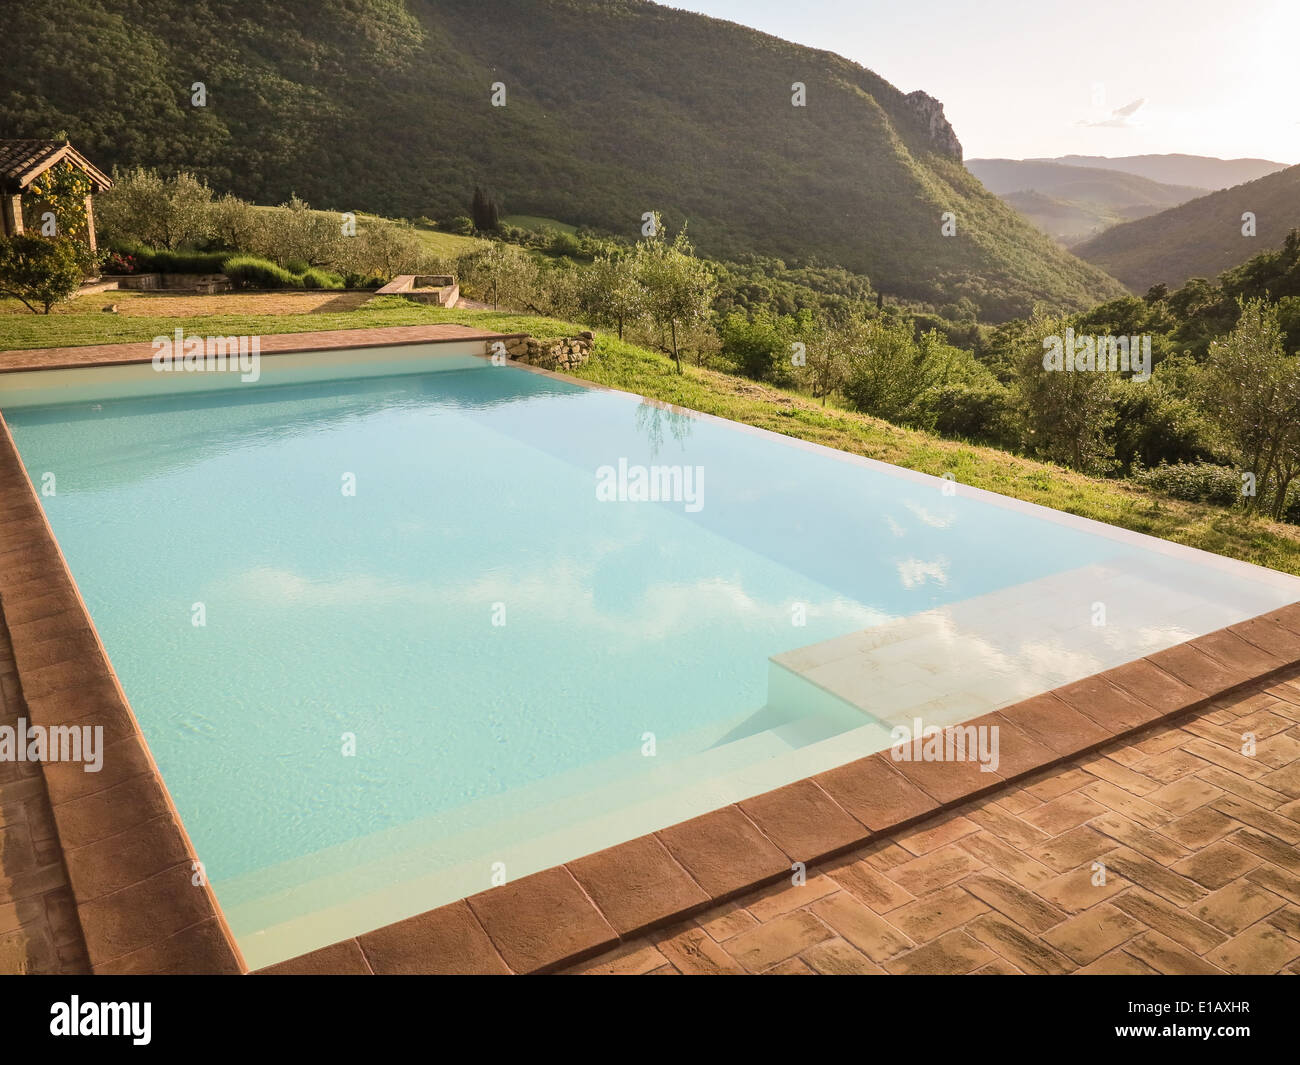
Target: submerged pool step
pixel 389 875
pixel 960 661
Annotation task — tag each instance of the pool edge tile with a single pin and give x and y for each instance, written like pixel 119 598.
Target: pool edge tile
pixel 875 793
pixel 344 958
pixel 542 921
pixel 419 945
pixel 805 821
pixel 638 885
pixel 724 851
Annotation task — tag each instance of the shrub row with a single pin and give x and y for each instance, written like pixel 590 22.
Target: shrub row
pixel 1195 482
pixel 248 271
pixel 148 260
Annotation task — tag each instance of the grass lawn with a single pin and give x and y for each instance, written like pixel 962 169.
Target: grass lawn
pixel 624 366
pixel 237 314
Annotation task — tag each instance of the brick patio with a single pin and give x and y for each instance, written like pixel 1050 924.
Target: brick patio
pixel 1199 844
pixel 39 930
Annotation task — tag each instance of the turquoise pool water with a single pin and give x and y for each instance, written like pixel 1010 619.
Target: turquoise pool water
pixel 475 623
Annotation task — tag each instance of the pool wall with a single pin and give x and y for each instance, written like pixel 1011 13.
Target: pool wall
pixel 142 908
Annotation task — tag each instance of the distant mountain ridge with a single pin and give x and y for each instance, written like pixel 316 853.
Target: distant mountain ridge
pixel 611 109
pixel 1199 171
pixel 1072 203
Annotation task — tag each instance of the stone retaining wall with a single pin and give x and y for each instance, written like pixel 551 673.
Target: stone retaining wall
pixel 567 353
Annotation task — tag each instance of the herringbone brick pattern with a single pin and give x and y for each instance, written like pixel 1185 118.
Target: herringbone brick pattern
pixel 39 930
pixel 1175 851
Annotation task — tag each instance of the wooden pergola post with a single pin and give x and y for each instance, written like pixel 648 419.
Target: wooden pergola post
pixel 13 214
pixel 90 224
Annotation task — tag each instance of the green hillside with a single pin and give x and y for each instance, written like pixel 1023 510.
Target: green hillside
pixel 1201 238
pixel 613 109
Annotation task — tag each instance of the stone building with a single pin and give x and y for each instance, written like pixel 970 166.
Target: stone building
pixel 22 162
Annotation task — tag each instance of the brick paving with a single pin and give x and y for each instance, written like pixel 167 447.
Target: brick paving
pixel 1170 851
pixel 39 929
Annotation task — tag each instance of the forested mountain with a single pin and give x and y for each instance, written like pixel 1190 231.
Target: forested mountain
pixel 1203 237
pixel 612 108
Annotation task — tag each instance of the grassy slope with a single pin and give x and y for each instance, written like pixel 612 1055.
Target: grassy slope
pixel 448 245
pixel 439 242
pixel 633 369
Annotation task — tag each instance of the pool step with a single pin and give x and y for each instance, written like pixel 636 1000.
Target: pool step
pixel 981 654
pixel 389 875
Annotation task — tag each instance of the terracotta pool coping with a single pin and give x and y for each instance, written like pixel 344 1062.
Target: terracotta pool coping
pixel 130 861
pixel 17 361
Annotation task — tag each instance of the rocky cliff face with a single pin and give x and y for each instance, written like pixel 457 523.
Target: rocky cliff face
pixel 930 111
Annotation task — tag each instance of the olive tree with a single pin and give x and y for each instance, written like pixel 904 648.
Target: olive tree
pixel 612 294
pixel 1067 413
pixel 40 271
pixel 1251 390
pixel 679 289
pixel 144 207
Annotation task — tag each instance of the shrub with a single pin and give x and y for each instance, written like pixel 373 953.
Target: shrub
pixel 973 410
pixel 248 271
pixel 1292 512
pixel 562 243
pixel 121 263
pixel 353 279
pixel 1195 482
pixel 189 262
pixel 758 347
pixel 320 279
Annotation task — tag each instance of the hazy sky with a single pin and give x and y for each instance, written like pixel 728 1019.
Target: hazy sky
pixel 1021 78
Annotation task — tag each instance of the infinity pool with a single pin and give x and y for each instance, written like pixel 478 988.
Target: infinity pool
pixel 391 635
